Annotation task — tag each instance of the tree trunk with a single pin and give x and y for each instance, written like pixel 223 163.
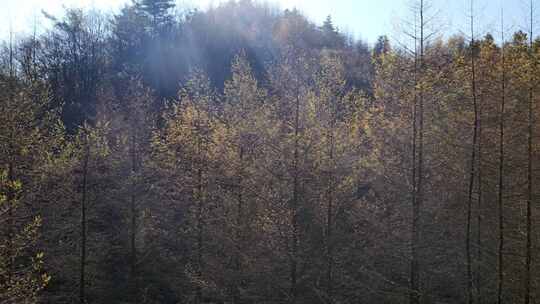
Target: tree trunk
pixel 10 195
pixel 82 294
pixel 473 168
pixel 415 293
pixel 479 212
pixel 239 227
pixel 199 231
pixel 528 254
pixel 133 230
pixel 500 260
pixel 329 211
pixel 294 207
pixel 199 198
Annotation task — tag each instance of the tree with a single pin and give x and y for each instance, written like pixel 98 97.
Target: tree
pixel 472 176
pixel 335 124
pixel 530 121
pixel 73 53
pixel 290 80
pixel 187 135
pixel 331 36
pixel 393 116
pixel 89 149
pixel 239 143
pixel 158 11
pixel 28 134
pixel 133 122
pixel 488 87
pixel 382 46
pixel 82 295
pixel 420 38
pixel 500 203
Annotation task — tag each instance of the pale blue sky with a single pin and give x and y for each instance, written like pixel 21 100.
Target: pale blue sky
pixel 366 19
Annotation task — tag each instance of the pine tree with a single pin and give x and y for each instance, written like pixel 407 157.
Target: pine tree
pixel 158 11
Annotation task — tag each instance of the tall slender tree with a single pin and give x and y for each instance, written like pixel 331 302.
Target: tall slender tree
pixel 84 186
pixel 240 145
pixel 500 199
pixel 420 38
pixel 530 136
pixel 472 173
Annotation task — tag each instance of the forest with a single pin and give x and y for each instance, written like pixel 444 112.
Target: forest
pixel 244 154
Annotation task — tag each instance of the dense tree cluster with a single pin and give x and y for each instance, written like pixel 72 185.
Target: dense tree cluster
pixel 245 155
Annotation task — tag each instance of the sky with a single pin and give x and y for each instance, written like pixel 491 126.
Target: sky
pixel 363 19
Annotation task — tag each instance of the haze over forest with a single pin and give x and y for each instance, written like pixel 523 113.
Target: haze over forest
pixel 245 153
